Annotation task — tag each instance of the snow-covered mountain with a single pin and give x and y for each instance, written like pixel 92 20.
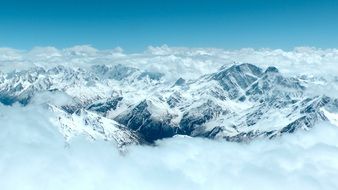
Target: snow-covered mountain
pixel 126 105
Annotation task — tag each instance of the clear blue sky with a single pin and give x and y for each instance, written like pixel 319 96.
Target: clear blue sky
pixel 133 25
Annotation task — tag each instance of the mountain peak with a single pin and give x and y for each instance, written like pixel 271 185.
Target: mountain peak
pixel 179 82
pixel 231 103
pixel 271 69
pixel 237 78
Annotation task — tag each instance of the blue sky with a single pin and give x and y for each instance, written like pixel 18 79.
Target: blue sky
pixel 134 25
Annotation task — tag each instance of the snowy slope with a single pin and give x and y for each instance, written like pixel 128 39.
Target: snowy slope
pixel 126 105
pixel 93 126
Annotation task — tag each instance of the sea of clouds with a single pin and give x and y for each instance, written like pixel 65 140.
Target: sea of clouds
pixel 177 62
pixel 34 155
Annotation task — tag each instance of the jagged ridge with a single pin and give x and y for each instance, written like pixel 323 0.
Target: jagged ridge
pixel 239 103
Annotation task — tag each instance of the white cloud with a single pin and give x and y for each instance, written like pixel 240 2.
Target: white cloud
pixel 180 61
pixel 56 98
pixel 34 156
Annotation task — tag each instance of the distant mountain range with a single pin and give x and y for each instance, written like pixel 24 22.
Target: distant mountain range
pixel 126 105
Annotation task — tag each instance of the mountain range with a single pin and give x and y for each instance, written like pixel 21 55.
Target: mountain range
pixel 127 105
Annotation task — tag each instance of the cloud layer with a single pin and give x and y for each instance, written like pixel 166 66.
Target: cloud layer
pixel 34 156
pixel 177 61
